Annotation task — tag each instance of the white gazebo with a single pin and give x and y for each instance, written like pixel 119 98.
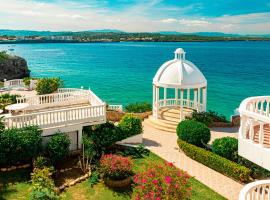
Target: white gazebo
pixel 187 83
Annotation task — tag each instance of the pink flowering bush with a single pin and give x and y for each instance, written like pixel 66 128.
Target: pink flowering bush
pixel 116 167
pixel 161 182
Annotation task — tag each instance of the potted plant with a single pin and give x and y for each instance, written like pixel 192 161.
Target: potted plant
pixel 116 170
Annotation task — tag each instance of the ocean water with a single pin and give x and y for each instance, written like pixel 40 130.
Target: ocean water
pixel 121 73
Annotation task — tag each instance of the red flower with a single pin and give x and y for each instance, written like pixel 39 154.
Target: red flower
pixel 168 179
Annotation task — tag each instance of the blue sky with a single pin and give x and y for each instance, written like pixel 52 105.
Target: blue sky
pixel 229 16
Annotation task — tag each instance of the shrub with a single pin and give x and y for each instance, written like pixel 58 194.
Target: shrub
pixel 48 85
pixel 116 167
pixel 207 117
pixel 42 185
pixel 19 145
pixel 193 132
pixel 138 107
pixel 161 182
pixel 226 147
pixel 41 162
pixel 216 162
pixel 58 147
pixel 130 124
pixel 3 56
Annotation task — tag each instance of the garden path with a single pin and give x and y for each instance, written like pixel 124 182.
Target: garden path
pixel 165 145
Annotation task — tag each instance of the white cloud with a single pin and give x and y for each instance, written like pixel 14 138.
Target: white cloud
pixel 76 16
pixel 169 20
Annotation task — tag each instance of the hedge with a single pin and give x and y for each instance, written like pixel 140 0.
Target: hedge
pixel 216 162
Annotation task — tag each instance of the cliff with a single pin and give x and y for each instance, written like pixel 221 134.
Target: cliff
pixel 12 67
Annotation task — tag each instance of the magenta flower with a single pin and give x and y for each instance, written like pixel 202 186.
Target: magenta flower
pixel 155 181
pixel 168 179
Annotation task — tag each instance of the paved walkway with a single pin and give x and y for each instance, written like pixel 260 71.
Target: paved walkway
pixel 164 144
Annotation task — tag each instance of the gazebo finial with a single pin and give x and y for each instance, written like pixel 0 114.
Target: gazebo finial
pixel 179 54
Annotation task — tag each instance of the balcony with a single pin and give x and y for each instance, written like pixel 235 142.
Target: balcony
pixel 254 132
pixel 67 107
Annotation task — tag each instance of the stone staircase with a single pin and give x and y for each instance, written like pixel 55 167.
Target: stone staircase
pixel 266 141
pixel 168 120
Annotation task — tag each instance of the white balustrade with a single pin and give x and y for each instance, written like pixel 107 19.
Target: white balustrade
pixel 254 112
pixel 177 102
pixel 15 83
pixel 58 117
pixel 116 107
pixel 259 190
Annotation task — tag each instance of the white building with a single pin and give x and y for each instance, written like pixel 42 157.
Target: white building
pixel 189 87
pixel 68 110
pixel 254 142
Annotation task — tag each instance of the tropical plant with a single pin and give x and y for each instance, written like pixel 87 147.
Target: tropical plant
pixel 58 147
pixel 193 132
pixel 161 181
pixel 138 107
pixel 226 147
pixel 43 187
pixel 130 124
pixel 116 167
pixel 48 85
pixel 19 145
pixel 207 117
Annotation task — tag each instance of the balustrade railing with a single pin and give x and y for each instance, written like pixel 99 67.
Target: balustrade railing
pixel 14 83
pixel 255 119
pixel 58 117
pixel 256 191
pixel 186 104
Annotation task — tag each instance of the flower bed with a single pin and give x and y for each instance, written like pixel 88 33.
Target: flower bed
pixel 161 181
pixel 116 170
pixel 216 162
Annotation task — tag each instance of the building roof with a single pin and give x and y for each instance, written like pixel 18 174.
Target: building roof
pixel 179 73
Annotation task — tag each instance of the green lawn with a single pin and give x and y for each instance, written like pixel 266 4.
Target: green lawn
pixel 83 191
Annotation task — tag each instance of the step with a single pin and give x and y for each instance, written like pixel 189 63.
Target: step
pixel 163 121
pixel 160 125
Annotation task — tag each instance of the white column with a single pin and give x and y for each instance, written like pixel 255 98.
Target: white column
pixel 157 101
pixel 195 99
pixel 181 106
pixel 261 134
pixel 176 96
pixel 204 98
pixel 188 98
pixel 199 99
pixel 242 129
pixel 165 96
pixel 154 101
pixel 80 139
pixel 251 130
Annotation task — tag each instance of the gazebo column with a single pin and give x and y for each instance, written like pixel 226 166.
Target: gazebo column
pixel 199 99
pixel 181 105
pixel 188 98
pixel 157 101
pixel 176 96
pixel 204 98
pixel 165 96
pixel 154 101
pixel 195 100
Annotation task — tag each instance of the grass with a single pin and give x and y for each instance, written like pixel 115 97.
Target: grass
pixel 82 191
pixel 1 84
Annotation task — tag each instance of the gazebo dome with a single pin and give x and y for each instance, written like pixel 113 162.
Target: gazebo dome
pixel 179 73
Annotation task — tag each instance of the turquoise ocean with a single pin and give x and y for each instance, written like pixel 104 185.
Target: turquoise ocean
pixel 121 73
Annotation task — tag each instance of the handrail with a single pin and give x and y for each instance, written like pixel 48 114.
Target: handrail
pixel 177 102
pixel 14 83
pixel 56 117
pixel 256 190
